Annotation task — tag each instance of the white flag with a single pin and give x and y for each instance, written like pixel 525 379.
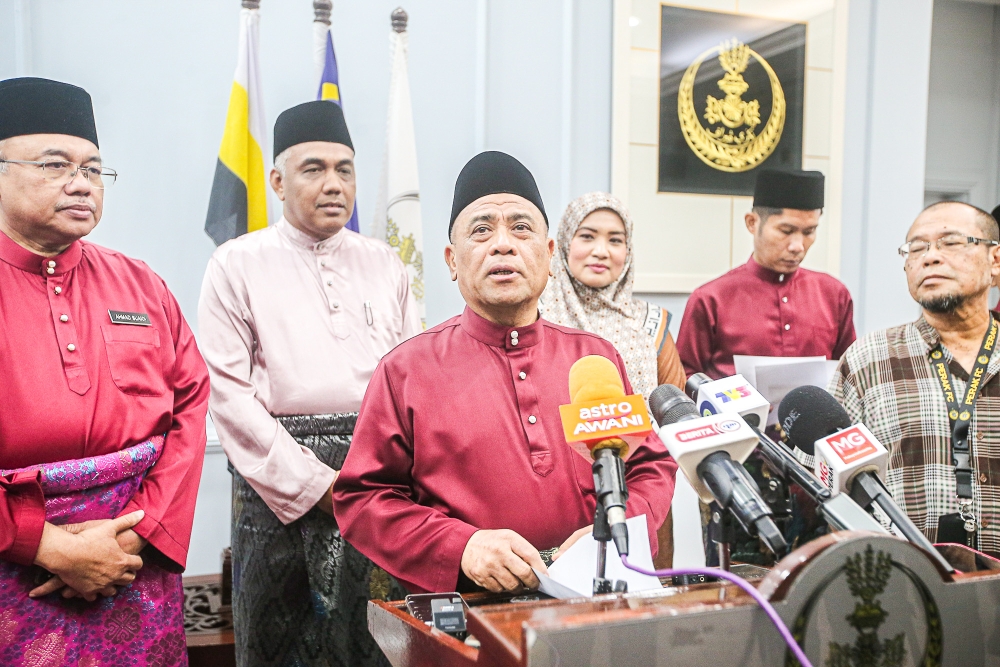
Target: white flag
pixel 397 213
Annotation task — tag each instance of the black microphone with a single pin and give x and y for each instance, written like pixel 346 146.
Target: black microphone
pixel 809 414
pixel 728 482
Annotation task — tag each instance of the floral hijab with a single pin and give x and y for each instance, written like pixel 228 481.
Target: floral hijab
pixel 609 312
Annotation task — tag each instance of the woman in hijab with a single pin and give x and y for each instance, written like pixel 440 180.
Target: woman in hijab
pixel 591 289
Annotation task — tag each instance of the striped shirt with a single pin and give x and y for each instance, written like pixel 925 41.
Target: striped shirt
pixel 886 381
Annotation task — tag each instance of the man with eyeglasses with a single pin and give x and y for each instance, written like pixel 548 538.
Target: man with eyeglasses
pixel 103 396
pixel 910 384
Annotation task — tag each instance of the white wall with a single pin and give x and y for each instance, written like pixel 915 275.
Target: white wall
pixel 963 107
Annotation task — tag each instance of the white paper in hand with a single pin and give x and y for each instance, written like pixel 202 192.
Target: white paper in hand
pixel 575 569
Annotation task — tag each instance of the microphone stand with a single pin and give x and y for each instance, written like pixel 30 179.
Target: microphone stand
pixel 721 533
pixel 602 529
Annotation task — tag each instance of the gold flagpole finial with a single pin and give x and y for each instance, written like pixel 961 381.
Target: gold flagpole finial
pixel 399 19
pixel 322 9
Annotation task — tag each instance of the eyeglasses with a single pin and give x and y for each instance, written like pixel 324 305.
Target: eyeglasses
pixel 948 245
pixel 64 171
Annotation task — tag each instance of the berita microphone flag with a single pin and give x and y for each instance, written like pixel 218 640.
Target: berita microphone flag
pixel 397 211
pixel 329 81
pixel 239 199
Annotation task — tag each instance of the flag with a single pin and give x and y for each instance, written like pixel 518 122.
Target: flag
pixel 239 199
pixel 397 216
pixel 329 88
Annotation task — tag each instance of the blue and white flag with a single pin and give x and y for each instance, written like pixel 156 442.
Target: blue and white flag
pixel 329 86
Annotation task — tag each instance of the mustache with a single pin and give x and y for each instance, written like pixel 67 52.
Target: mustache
pixel 63 205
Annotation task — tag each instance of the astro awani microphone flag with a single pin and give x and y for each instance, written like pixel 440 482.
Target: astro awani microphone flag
pixel 397 215
pixel 239 199
pixel 329 87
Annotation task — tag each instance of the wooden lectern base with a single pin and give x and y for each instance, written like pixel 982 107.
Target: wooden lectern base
pixel 845 594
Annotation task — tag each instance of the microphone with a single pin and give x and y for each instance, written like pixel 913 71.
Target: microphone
pixel 849 459
pixel 710 450
pixel 601 423
pixel 734 395
pixel 730 394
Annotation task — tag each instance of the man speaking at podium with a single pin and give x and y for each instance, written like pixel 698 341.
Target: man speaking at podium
pixel 460 472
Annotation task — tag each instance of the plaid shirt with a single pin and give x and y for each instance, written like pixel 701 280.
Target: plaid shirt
pixel 886 381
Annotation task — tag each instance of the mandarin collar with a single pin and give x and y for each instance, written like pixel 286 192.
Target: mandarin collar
pixel 498 335
pixel 768 275
pixel 302 240
pixel 24 259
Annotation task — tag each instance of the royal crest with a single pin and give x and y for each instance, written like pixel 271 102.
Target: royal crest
pixel 413 259
pixel 731 142
pixel 867 577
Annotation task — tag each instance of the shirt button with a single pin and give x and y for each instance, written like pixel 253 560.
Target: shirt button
pixel 329 283
pixel 531 419
pixel 50 270
pixel 52 264
pixel 781 278
pixel 57 290
pixel 980 436
pixel 513 341
pixel 64 318
pixel 336 304
pixel 322 263
pixel 522 375
pixel 71 347
pixel 982 478
pixel 787 327
pixel 784 299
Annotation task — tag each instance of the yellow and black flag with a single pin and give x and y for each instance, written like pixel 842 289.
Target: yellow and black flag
pixel 239 193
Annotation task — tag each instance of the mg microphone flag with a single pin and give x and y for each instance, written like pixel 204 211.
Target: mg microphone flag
pixel 239 200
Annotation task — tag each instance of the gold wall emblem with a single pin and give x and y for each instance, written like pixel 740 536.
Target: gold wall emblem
pixel 734 144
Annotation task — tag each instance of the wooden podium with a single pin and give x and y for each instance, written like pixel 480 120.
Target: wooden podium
pixel 851 600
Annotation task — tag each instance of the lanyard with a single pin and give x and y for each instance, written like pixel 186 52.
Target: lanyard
pixel 960 411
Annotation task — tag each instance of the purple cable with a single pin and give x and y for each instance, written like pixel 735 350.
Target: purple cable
pixel 745 585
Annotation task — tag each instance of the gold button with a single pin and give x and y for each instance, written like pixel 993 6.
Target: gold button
pixel 64 318
pixel 71 347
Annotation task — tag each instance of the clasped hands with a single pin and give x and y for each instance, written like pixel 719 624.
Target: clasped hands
pixel 90 558
pixel 502 560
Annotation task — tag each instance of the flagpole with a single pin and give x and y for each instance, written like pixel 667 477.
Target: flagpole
pixel 399 19
pixel 322 10
pixel 250 4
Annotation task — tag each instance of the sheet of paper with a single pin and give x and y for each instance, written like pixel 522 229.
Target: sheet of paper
pixel 575 569
pixel 774 381
pixel 746 365
pixel 551 587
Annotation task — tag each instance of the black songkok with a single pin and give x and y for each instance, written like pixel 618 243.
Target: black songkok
pixel 319 120
pixel 491 173
pixel 799 190
pixel 29 105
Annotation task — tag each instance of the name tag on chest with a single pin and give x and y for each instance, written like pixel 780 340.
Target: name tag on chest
pixel 136 319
